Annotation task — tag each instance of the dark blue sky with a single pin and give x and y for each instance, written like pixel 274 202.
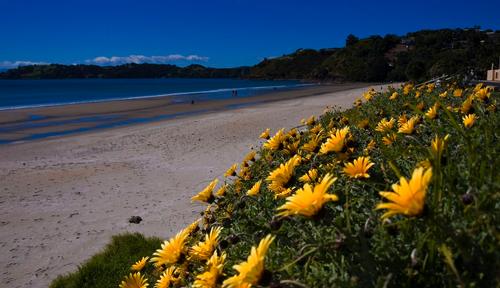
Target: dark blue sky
pixel 214 32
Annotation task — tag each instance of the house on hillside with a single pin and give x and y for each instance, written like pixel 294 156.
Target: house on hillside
pixel 493 75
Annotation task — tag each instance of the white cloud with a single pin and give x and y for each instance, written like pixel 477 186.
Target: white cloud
pixel 137 59
pixel 15 64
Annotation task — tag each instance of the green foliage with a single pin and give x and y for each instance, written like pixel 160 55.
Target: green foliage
pixel 107 268
pixel 454 242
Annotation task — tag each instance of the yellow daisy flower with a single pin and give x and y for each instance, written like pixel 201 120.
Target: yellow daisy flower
pixel 265 134
pixel 409 126
pixel 417 94
pixel 250 156
pixel 276 142
pixel 135 280
pixel 167 278
pixel 407 89
pixel 469 120
pixel 308 200
pixel 385 125
pixel 139 264
pixel 438 145
pixel 483 94
pixel 466 105
pixel 206 194
pixel 394 95
pixel 313 144
pixel 222 191
pixel 336 141
pixel 250 271
pixel 171 250
pixel 408 197
pixel 458 92
pixel 358 168
pixel 204 249
pixel 255 188
pixel 231 171
pixel 281 175
pixel 310 176
pixel 389 139
pixel 210 277
pixel 432 112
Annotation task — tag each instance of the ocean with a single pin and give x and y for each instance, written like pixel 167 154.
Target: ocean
pixel 15 94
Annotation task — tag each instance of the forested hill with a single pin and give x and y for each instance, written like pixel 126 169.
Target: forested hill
pixel 414 56
pixel 57 71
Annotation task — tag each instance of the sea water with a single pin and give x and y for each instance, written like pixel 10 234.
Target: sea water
pixel 15 94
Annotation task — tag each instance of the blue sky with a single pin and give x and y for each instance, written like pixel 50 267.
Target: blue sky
pixel 217 33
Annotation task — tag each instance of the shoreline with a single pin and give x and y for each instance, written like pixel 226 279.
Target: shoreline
pixel 63 198
pixel 32 124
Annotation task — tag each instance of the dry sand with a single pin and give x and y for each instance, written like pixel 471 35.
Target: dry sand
pixel 62 199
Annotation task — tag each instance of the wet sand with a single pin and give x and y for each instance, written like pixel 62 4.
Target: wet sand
pixel 61 199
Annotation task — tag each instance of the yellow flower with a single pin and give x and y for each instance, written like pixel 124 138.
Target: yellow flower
pixel 438 145
pixel 167 278
pixel 478 87
pixel 291 148
pixel 335 142
pixel 402 120
pixel 358 103
pixel 394 95
pixel 358 168
pixel 250 271
pixel 308 200
pixel 276 142
pixel 417 94
pixel 420 106
pixel 385 125
pixel 316 129
pixel 265 134
pixel 310 121
pixel 139 264
pixel 430 87
pixel 389 139
pixel 409 126
pixel 281 175
pixel 407 89
pixel 458 92
pixel 310 176
pixel 209 278
pixel 432 112
pixel 250 156
pixel 221 191
pixel 206 194
pixel 255 188
pixel 313 144
pixel 466 105
pixel 135 280
pixel 193 227
pixel 204 249
pixel 363 124
pixel 408 197
pixel 482 94
pixel 370 146
pixel 444 94
pixel 369 94
pixel 469 120
pixel 171 250
pixel 231 171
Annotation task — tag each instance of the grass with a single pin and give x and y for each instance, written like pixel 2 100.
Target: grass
pixel 107 268
pixel 453 241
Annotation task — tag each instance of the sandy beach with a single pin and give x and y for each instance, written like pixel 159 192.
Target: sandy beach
pixel 62 199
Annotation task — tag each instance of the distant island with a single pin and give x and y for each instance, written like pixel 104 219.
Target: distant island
pixel 414 56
